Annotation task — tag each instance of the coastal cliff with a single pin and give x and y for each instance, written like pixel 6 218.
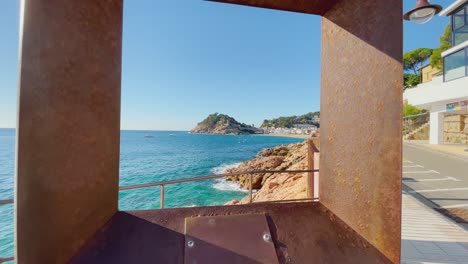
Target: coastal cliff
pixel 223 124
pixel 274 186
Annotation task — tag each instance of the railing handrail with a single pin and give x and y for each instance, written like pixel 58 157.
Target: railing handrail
pixel 200 178
pixel 417 115
pixel 209 177
pixel 7 201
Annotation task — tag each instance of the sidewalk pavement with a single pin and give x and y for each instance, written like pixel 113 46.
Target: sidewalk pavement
pixel 429 237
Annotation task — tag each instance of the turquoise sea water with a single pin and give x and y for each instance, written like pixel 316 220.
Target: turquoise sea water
pixel 167 155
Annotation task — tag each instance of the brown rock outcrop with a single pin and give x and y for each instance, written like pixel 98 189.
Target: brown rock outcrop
pixel 275 186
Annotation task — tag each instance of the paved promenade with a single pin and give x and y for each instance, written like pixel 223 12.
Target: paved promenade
pixel 429 237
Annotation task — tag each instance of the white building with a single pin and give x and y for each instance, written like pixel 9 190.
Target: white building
pixel 447 93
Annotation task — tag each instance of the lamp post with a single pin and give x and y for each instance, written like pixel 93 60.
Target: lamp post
pixel 423 12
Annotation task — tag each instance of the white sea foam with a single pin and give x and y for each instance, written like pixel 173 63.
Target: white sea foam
pixel 228 186
pixel 223 167
pixel 190 205
pixel 222 184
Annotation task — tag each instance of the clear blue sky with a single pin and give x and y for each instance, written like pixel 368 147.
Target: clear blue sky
pixel 183 60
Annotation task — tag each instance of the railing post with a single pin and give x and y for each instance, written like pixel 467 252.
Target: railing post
pixel 250 188
pixel 162 197
pixel 312 151
pixel 316 179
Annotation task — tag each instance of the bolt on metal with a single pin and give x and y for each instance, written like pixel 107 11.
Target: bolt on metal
pixel 190 243
pixel 267 237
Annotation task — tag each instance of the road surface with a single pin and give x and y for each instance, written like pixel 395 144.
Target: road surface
pixel 440 178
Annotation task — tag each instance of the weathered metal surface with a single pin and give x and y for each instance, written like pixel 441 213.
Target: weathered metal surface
pixel 361 126
pixel 302 233
pixel 229 239
pixel 316 175
pixel 68 125
pixel 316 7
pixel 312 165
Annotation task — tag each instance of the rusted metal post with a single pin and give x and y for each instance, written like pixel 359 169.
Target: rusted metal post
pixel 162 197
pixel 67 177
pixel 360 170
pixel 316 178
pixel 250 188
pixel 311 151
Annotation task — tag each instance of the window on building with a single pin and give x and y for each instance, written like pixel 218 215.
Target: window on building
pixel 460 26
pixel 455 65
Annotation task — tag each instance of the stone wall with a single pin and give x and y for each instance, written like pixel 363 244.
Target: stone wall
pixel 456 129
pixel 422 133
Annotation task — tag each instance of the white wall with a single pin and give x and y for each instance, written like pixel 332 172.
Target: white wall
pixel 427 95
pixel 434 97
pixel 436 124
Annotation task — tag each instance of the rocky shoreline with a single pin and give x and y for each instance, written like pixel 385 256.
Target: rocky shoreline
pixel 274 186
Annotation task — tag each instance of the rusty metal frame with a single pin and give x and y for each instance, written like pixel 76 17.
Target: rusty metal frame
pixel 314 7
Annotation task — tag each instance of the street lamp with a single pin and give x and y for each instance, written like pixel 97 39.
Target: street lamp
pixel 423 12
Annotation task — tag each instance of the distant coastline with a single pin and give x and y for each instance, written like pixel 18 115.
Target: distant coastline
pixel 260 135
pixel 284 135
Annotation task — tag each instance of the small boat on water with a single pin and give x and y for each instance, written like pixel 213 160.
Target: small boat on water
pixel 148 136
pixel 172 135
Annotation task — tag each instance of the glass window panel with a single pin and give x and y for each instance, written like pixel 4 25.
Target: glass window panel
pixel 455 65
pixel 458 19
pixel 459 37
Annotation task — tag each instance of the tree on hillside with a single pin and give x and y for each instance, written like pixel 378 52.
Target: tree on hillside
pixel 414 60
pixel 411 80
pixel 289 121
pixel 445 44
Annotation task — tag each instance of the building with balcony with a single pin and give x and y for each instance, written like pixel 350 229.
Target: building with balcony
pixel 446 95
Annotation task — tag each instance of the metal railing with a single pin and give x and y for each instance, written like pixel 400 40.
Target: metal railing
pixel 413 122
pixel 203 178
pixel 216 176
pixel 8 201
